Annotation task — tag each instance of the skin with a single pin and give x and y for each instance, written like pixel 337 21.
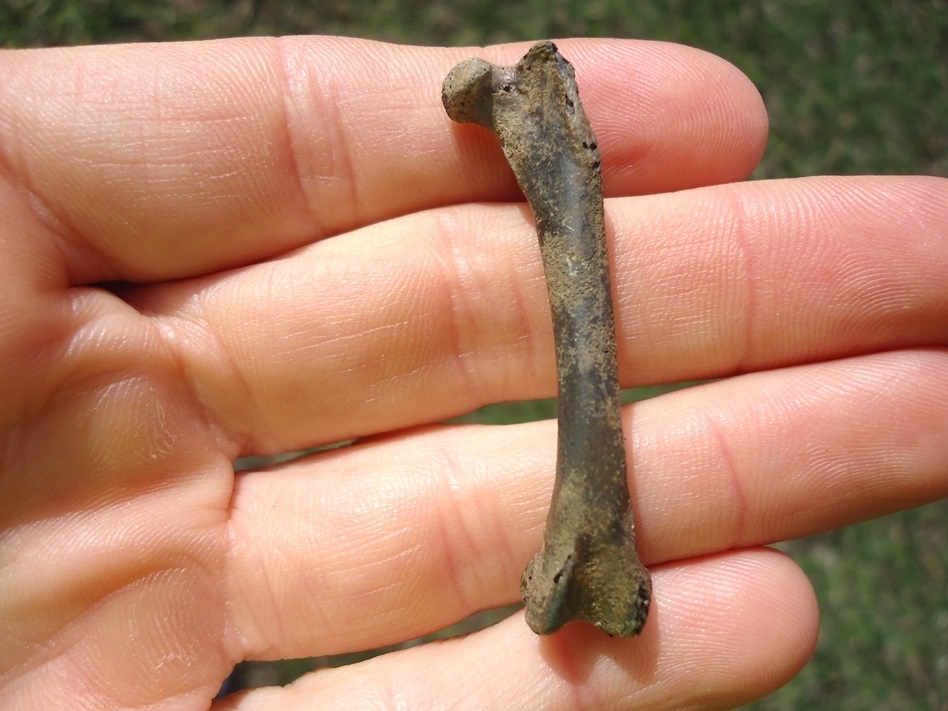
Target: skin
pixel 307 258
pixel 588 568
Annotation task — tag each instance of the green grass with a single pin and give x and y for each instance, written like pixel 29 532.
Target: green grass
pixel 852 87
pixel 883 644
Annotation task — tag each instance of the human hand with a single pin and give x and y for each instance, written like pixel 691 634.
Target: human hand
pixel 299 248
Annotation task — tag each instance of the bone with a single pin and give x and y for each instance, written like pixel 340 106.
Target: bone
pixel 587 568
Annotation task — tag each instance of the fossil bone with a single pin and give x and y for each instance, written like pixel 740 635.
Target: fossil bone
pixel 587 568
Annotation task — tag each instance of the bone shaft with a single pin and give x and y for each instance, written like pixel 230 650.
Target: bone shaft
pixel 573 247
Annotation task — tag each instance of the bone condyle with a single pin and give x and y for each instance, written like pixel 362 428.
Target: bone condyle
pixel 587 568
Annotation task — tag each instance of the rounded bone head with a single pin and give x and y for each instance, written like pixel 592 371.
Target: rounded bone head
pixel 466 92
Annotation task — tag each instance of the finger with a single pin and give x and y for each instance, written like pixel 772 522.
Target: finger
pixel 645 102
pixel 433 315
pixel 739 278
pixel 406 535
pixel 151 162
pixel 723 631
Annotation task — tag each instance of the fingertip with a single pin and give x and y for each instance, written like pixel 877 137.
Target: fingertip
pixel 723 631
pixel 667 116
pixel 671 117
pixel 744 622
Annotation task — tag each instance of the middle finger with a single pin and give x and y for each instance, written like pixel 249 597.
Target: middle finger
pixel 431 315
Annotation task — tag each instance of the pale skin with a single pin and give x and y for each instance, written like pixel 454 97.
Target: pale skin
pixel 302 249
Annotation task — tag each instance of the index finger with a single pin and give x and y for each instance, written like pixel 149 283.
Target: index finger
pixel 152 162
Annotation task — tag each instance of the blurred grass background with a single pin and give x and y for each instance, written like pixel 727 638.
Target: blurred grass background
pixel 852 87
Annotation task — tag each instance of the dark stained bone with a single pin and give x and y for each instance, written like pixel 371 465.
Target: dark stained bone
pixel 588 568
